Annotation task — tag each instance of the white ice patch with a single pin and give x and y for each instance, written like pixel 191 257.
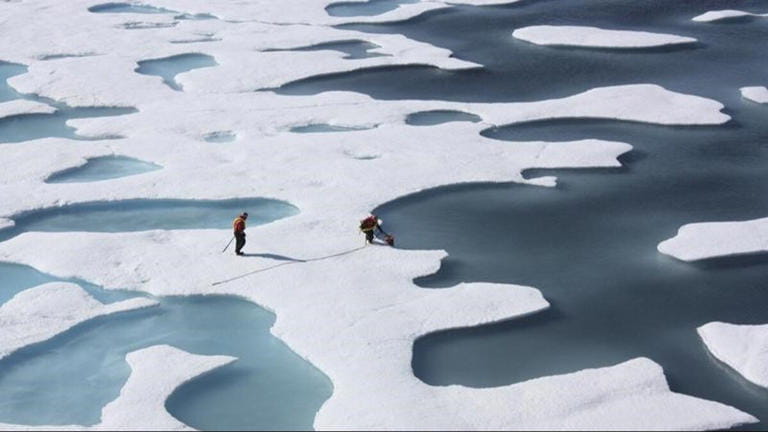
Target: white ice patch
pixel 40 313
pixel 717 239
pixel 377 315
pixel 6 223
pixel 721 15
pixel 593 37
pixel 156 372
pixel 370 310
pixel 23 106
pixel 755 94
pixel 742 347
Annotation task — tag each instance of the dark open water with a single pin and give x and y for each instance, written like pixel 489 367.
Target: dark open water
pixel 590 243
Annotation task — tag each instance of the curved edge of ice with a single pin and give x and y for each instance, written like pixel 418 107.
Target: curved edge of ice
pixel 594 37
pixel 721 15
pixel 23 106
pixel 742 347
pixel 757 94
pixel 6 223
pixel 704 240
pixel 42 312
pixel 156 372
pixel 633 395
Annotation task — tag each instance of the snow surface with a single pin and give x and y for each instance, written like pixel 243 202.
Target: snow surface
pixel 40 313
pixel 582 36
pixel 370 310
pixel 742 347
pixel 378 313
pixel 717 239
pixel 755 94
pixel 156 372
pixel 22 106
pixel 720 15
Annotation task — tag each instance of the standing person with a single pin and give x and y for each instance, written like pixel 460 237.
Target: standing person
pixel 238 225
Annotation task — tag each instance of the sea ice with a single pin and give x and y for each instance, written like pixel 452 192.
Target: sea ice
pixel 361 337
pixel 742 347
pixel 24 106
pixel 42 312
pixel 371 311
pixel 755 94
pixel 724 15
pixel 717 239
pixel 594 37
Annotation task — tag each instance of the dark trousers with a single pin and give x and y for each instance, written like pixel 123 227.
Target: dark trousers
pixel 239 241
pixel 369 236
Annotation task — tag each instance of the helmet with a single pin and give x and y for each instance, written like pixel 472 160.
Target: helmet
pixel 245 214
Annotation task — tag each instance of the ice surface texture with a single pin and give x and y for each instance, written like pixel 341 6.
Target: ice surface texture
pixel 742 347
pixel 594 37
pixel 370 310
pixel 716 239
pixel 726 15
pixel 756 94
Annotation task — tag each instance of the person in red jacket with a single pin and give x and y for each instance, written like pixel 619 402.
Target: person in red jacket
pixel 238 225
pixel 369 225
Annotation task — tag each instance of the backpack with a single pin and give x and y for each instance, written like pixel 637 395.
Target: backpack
pixel 368 223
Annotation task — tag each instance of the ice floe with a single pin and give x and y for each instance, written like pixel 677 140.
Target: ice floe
pixel 40 313
pixel 756 94
pixel 742 347
pixel 23 106
pixel 155 373
pixel 725 15
pixel 717 239
pixel 593 37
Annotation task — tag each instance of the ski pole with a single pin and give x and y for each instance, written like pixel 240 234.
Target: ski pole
pixel 227 246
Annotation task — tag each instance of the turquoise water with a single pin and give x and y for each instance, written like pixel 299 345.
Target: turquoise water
pixel 15 278
pixel 321 128
pixel 269 387
pixel 430 118
pixel 35 126
pixel 220 137
pixel 167 68
pixel 68 379
pixel 146 9
pixel 8 70
pixel 354 49
pixel 26 127
pixel 127 8
pixel 103 168
pixel 144 215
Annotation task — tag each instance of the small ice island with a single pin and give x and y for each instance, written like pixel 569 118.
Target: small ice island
pixel 593 37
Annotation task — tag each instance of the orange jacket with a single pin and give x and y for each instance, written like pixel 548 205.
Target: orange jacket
pixel 238 224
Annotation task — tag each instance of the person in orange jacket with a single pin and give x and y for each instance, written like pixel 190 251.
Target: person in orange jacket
pixel 238 225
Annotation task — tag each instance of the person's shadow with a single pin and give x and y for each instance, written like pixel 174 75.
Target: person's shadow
pixel 273 256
